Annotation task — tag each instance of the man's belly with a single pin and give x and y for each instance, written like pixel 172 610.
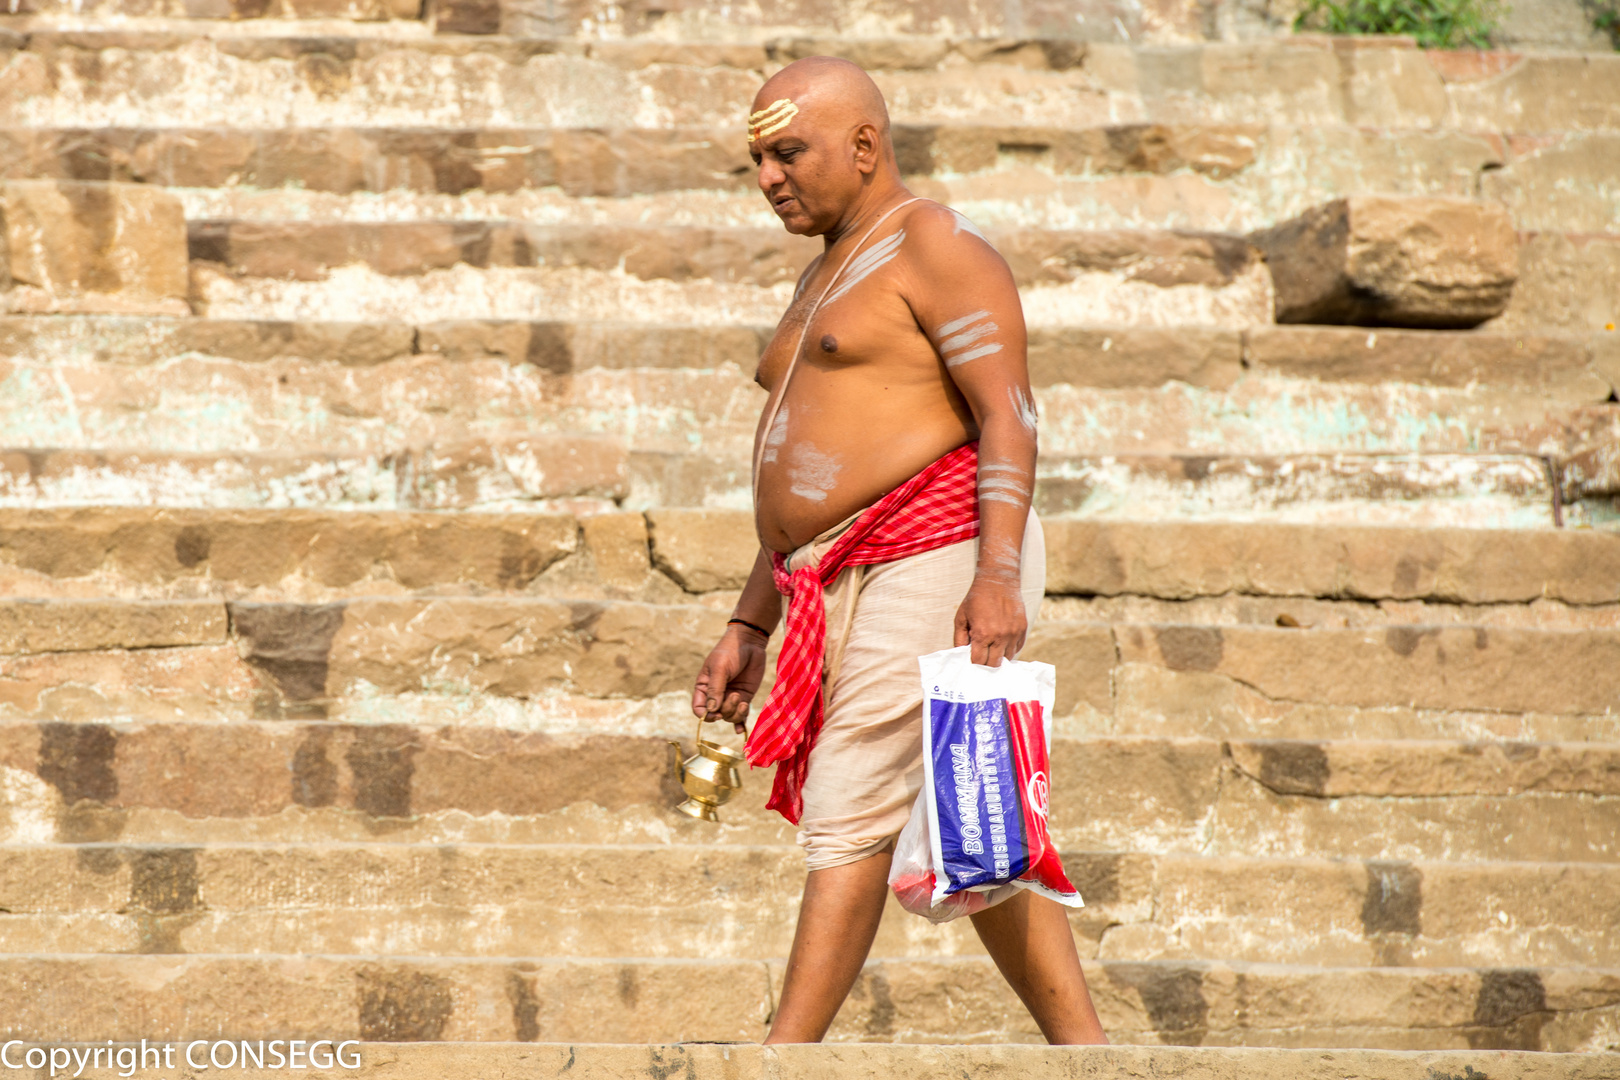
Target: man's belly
pixel 824 473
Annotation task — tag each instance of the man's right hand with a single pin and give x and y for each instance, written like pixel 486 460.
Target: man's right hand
pixel 730 677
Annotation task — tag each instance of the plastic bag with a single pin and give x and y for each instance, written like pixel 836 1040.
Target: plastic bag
pixel 978 832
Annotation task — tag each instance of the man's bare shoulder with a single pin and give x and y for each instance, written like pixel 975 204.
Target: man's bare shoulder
pixel 940 240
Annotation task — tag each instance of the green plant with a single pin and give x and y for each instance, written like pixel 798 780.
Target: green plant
pixel 1436 24
pixel 1605 18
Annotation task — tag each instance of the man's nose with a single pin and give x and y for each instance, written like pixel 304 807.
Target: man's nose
pixel 770 174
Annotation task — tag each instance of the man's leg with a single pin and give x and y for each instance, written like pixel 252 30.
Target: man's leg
pixel 1028 937
pixel 838 918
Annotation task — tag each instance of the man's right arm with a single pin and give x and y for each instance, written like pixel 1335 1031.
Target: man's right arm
pixel 731 675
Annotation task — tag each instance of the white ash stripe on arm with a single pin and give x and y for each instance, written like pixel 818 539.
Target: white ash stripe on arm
pixel 1023 403
pixel 879 254
pixel 1004 482
pixel 958 338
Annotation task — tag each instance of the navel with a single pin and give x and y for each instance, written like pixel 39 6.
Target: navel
pixel 829 343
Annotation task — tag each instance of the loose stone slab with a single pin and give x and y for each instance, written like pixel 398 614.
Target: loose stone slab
pixel 1380 261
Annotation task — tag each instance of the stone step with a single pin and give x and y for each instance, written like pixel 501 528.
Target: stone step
pixel 142 782
pixel 406 999
pixel 521 473
pixel 1091 278
pixel 900 1061
pixel 396 79
pixel 1430 489
pixel 1324 574
pixel 596 474
pixel 1067 276
pixel 297 16
pixel 531 649
pixel 676 901
pixel 665 392
pixel 560 664
pixel 1212 176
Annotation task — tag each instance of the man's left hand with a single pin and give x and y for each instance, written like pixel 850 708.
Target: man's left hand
pixel 992 620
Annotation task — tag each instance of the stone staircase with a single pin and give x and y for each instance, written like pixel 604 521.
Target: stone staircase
pixel 363 523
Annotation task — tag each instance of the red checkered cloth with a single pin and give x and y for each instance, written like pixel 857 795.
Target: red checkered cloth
pixel 934 509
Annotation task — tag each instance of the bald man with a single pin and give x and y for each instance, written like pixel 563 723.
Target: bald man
pixel 893 468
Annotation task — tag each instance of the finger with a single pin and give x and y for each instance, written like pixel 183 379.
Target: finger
pixel 700 692
pixel 962 635
pixel 980 653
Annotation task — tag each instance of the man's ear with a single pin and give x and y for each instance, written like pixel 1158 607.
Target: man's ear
pixel 868 147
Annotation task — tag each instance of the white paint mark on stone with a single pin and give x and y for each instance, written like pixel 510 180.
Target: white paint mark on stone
pixel 868 262
pixel 812 473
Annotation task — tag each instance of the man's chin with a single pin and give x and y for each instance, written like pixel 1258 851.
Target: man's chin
pixel 801 225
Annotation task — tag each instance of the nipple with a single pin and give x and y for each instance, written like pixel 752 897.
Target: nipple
pixel 829 343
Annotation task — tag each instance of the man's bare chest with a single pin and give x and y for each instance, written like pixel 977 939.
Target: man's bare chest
pixel 873 325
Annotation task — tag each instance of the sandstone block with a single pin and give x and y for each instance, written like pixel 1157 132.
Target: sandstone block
pixel 1561 367
pixel 1132 356
pixel 52 626
pixel 511 648
pixel 548 346
pixel 1161 258
pixel 491 472
pixel 1254 819
pixel 1084 656
pixel 618 544
pixel 93 247
pixel 704 550
pixel 1429 667
pixel 1567 281
pixel 1427 768
pixel 1180 560
pixel 1383 261
pixel 289 550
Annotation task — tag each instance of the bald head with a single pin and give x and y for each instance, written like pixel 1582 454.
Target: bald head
pixel 827 90
pixel 819 129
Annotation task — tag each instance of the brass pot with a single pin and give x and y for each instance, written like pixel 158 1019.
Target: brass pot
pixel 709 777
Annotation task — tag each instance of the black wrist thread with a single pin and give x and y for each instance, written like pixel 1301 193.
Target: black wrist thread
pixel 751 626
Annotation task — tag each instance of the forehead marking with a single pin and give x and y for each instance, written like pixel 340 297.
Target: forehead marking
pixel 771 119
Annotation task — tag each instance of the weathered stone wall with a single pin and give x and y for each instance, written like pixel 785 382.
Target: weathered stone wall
pixel 375 381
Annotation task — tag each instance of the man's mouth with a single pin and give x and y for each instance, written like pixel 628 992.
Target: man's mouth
pixel 781 202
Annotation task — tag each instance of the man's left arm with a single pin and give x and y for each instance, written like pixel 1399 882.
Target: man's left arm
pixel 967 304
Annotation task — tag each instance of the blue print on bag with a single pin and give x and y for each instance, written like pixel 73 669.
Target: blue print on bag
pixel 981 821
